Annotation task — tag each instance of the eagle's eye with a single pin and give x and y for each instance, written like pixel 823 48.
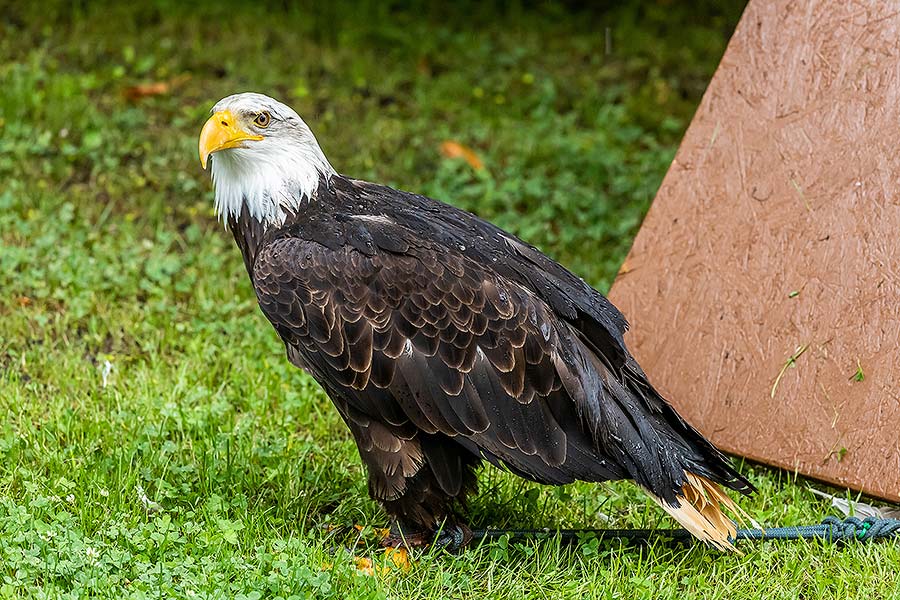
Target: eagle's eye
pixel 263 119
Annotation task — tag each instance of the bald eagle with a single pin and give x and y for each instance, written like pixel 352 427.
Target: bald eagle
pixel 445 341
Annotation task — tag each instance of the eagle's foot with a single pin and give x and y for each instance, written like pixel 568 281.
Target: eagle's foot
pixel 453 538
pixel 450 537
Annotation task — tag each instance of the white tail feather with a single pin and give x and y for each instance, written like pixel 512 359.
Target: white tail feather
pixel 699 510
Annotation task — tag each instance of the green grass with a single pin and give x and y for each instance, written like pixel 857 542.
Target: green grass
pixel 202 465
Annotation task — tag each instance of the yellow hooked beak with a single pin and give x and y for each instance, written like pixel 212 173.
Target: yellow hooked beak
pixel 220 132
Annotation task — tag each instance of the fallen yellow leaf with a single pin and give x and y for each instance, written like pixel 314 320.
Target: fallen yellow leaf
pixel 378 531
pixel 453 149
pixel 399 557
pixel 364 565
pixel 155 88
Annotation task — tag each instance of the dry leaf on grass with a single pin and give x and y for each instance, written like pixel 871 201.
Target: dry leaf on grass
pixel 399 557
pixel 153 88
pixel 453 149
pixel 394 558
pixel 364 565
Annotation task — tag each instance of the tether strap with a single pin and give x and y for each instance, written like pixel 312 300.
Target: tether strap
pixel 831 529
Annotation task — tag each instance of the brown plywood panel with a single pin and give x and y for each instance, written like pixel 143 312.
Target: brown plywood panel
pixel 776 233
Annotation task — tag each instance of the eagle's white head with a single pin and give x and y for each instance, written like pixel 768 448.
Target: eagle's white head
pixel 265 157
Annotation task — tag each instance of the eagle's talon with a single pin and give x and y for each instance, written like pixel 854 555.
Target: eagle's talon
pixel 453 538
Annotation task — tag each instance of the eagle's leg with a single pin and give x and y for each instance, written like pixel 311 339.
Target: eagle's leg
pixel 419 479
pixel 422 512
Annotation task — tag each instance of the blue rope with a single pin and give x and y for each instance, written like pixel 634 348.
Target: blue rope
pixel 831 529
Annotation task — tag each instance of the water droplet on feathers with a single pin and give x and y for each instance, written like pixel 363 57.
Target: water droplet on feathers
pixel 545 330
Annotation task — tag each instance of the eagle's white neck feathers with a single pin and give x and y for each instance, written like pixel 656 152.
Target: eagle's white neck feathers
pixel 273 176
pixel 269 183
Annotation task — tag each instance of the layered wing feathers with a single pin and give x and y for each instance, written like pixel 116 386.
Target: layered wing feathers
pixel 425 339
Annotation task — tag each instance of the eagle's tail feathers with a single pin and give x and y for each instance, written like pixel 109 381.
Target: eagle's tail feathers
pixel 698 508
